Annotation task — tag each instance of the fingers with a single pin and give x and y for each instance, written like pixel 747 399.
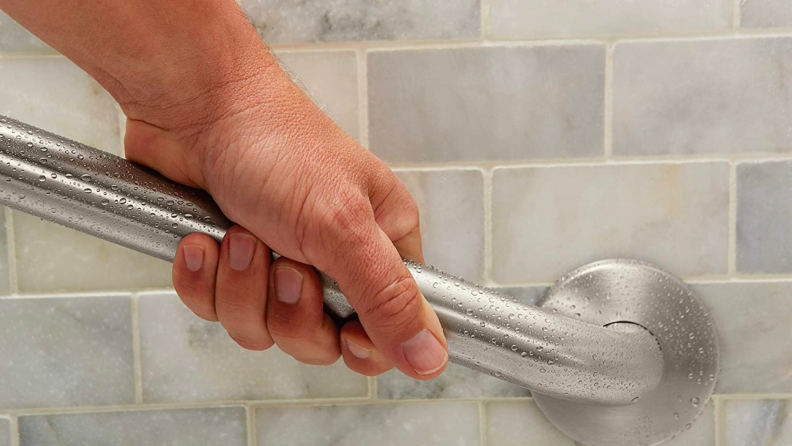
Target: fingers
pixel 360 354
pixel 295 314
pixel 397 215
pixel 241 289
pixel 194 270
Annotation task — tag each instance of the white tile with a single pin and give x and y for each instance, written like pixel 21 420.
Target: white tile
pixel 544 18
pixel 521 423
pixel 480 104
pixel 54 94
pixel 52 257
pixel 187 359
pixel 5 432
pixel 366 425
pixel 765 14
pixel 726 95
pixel 455 382
pixel 548 221
pixel 354 20
pixel 757 422
pixel 219 426
pixel 330 78
pixel 70 351
pixel 4 272
pixel 752 321
pixel 452 218
pixel 16 39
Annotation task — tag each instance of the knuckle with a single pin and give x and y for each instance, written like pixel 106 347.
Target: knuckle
pixel 395 307
pixel 288 326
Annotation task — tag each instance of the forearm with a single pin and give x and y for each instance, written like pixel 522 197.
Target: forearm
pixel 153 55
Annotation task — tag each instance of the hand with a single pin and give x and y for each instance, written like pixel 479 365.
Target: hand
pixel 296 183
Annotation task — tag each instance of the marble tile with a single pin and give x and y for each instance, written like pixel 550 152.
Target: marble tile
pixel 541 18
pixel 355 20
pixel 455 382
pixel 451 203
pixel 66 351
pixel 54 94
pixel 366 425
pixel 757 422
pixel 724 95
pixel 330 78
pixel 479 104
pixel 752 321
pixel 765 14
pixel 5 432
pixel 16 39
pixel 548 221
pixel 4 272
pixel 217 426
pixel 187 359
pixel 52 257
pixel 764 212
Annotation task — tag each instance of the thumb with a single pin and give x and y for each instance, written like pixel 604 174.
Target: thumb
pixel 160 150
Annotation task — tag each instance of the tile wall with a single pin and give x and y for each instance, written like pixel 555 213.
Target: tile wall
pixel 535 135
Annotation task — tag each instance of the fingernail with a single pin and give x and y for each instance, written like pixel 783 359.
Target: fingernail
pixel 288 285
pixel 357 350
pixel 193 257
pixel 240 251
pixel 424 353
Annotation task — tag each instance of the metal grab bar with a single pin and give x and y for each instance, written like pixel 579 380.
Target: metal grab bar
pixel 108 197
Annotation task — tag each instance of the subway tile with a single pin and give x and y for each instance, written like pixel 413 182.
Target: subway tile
pixel 54 94
pixel 66 351
pixel 702 96
pixel 218 426
pixel 187 359
pixel 364 425
pixel 452 218
pixel 540 18
pixel 482 104
pixel 357 20
pixel 16 39
pixel 547 221
pixel 330 78
pixel 764 212
pixel 4 272
pixel 752 322
pixel 52 257
pixel 757 422
pixel 455 382
pixel 5 432
pixel 517 423
pixel 765 14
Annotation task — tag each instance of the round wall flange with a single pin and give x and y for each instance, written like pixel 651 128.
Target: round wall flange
pixel 611 292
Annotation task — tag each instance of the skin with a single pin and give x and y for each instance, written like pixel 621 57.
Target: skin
pixel 208 106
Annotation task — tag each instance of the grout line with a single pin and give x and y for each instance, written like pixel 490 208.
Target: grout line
pixel 488 263
pixel 372 387
pixel 13 421
pixel 736 14
pixel 732 229
pixel 718 402
pixel 608 105
pixel 136 357
pixel 362 88
pixel 13 277
pixel 482 411
pixel 252 433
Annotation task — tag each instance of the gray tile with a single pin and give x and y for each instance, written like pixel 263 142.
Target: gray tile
pixel 52 257
pixel 497 103
pixel 4 272
pixel 330 78
pixel 344 20
pixel 452 218
pixel 455 382
pixel 365 425
pixel 5 432
pixel 16 39
pixel 187 359
pixel 752 321
pixel 221 426
pixel 67 351
pixel 54 94
pixel 702 96
pixel 765 13
pixel 757 422
pixel 764 213
pixel 539 18
pixel 547 221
